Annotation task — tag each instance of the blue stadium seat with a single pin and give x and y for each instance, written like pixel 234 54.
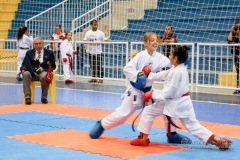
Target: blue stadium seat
pixel 26 10
pixel 207 12
pixel 193 21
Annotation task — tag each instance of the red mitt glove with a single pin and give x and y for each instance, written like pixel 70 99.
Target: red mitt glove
pixel 64 59
pixel 146 70
pixel 147 96
pixel 62 37
pixel 75 52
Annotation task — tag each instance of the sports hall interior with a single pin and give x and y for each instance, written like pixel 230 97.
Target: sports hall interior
pixel 60 129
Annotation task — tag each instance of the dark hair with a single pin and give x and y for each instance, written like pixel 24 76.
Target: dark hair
pixel 93 21
pixel 237 21
pixel 169 25
pixel 21 32
pixel 67 33
pixel 59 26
pixel 181 53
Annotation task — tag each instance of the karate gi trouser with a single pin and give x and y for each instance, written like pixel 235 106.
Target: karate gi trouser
pixel 127 108
pixel 67 71
pixel 191 124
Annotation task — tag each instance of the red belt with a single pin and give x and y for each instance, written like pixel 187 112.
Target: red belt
pixel 70 61
pixel 186 94
pixel 170 122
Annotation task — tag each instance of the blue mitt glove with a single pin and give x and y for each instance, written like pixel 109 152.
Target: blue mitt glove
pixel 141 81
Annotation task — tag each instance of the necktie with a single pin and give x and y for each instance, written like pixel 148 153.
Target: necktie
pixel 39 56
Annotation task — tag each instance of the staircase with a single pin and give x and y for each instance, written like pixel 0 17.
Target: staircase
pixel 26 10
pixel 208 21
pixel 192 21
pixel 7 14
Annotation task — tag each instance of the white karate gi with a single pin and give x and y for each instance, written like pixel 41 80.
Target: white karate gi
pixel 132 97
pixel 66 49
pixel 176 105
pixel 23 45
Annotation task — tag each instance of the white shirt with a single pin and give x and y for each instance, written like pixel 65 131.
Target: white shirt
pixel 66 47
pixel 25 42
pixel 96 36
pixel 41 57
pixel 176 84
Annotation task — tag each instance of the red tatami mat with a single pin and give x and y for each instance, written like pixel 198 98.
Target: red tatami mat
pixel 106 145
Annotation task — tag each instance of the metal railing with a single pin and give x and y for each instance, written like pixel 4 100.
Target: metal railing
pixel 43 24
pixel 212 65
pixel 215 66
pixel 190 66
pixel 100 12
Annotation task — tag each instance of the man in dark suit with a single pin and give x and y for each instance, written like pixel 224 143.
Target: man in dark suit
pixel 34 68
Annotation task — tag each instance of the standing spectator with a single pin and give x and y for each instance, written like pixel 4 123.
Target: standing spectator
pixel 168 37
pixel 24 42
pixel 95 50
pixel 66 49
pixel 234 37
pixel 57 37
pixel 34 68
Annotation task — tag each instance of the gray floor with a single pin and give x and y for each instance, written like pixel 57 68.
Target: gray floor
pixel 221 98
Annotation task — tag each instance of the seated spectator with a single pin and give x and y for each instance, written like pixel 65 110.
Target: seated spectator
pixel 34 68
pixel 168 37
pixel 234 37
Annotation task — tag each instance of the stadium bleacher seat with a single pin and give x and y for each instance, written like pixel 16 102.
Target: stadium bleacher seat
pixel 28 9
pixel 192 21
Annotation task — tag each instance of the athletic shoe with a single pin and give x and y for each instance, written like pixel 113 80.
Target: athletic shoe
pixel 100 81
pixel 44 100
pixel 27 101
pixel 92 81
pixel 68 81
pixel 236 92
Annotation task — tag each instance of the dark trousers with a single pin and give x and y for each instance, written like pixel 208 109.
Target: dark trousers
pixel 167 49
pixel 96 65
pixel 27 79
pixel 236 62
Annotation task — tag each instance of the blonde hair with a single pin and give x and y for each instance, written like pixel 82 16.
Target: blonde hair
pixel 147 36
pixel 134 53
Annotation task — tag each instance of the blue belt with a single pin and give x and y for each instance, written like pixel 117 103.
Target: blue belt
pixel 24 48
